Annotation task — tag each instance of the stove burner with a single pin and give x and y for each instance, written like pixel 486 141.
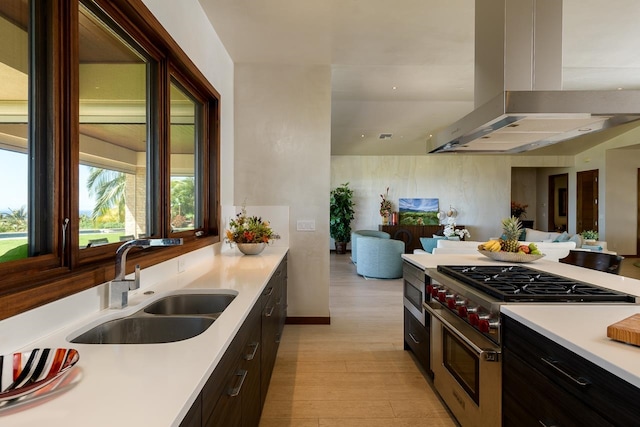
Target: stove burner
pixel 518 283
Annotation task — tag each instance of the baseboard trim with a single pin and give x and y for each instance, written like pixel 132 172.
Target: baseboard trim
pixel 308 321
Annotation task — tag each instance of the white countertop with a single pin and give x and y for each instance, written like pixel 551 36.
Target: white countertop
pixel 149 384
pixel 582 328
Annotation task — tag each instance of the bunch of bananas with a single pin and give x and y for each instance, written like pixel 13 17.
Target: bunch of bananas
pixel 493 245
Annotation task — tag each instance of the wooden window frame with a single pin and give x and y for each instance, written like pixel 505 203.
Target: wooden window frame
pixel 38 280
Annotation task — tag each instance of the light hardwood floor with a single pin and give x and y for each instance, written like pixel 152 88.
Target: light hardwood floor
pixel 353 372
pixel 627 268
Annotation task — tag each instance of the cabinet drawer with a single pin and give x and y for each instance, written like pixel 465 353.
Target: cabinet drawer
pixel 416 337
pixel 615 399
pixel 542 403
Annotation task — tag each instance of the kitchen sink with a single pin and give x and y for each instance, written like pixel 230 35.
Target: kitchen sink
pixel 191 304
pixel 145 330
pixel 172 318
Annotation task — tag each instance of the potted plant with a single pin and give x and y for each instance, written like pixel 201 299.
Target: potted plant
pixel 590 236
pixel 340 216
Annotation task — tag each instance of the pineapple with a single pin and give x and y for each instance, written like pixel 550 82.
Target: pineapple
pixel 511 228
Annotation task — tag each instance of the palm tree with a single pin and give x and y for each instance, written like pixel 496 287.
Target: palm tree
pixel 16 219
pixel 108 187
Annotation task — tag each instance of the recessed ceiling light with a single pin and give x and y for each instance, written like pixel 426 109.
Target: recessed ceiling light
pixel 362 136
pixel 395 87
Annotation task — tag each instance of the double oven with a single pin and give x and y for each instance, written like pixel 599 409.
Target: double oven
pixel 461 316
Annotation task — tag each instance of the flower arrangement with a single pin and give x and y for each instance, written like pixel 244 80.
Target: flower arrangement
pixel 249 229
pixel 589 235
pixel 518 209
pixel 450 230
pixel 385 204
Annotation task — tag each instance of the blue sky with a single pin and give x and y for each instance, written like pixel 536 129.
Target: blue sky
pixel 14 179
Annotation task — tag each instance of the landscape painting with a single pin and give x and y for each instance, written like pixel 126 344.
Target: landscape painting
pixel 418 211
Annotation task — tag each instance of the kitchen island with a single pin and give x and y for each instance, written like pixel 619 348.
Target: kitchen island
pixel 581 328
pixel 547 345
pixel 141 384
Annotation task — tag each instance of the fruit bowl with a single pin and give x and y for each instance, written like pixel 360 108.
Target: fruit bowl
pixel 24 373
pixel 510 256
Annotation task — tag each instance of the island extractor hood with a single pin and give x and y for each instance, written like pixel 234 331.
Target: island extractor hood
pixel 519 102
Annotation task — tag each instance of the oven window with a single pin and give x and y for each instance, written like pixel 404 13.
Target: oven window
pixel 462 363
pixel 413 295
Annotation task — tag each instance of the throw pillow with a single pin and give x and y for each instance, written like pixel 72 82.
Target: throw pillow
pixel 564 237
pixel 577 239
pixel 429 243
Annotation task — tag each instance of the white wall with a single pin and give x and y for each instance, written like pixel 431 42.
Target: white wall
pixel 479 187
pixel 282 156
pixel 275 143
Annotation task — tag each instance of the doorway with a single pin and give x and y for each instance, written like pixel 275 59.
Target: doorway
pixel 558 203
pixel 638 216
pixel 587 201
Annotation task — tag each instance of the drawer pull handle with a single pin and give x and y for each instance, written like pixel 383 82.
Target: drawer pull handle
pixel 270 311
pixel 242 373
pixel 551 362
pixel 547 423
pixel 413 338
pixel 269 292
pixel 253 354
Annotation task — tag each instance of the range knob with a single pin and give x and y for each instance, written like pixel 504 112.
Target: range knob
pixel 443 296
pixel 454 303
pixel 473 315
pixel 486 323
pixel 434 291
pixel 473 318
pixel 463 311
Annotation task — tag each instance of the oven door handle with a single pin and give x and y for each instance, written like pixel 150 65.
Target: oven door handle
pixel 490 354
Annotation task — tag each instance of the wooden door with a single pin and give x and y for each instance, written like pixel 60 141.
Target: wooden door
pixel 587 201
pixel 558 203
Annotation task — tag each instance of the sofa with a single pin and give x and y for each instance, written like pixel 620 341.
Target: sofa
pixel 532 235
pixel 364 233
pixel 379 257
pixel 553 250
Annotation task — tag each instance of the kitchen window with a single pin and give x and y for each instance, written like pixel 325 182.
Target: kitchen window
pixel 25 151
pixel 108 132
pixel 114 111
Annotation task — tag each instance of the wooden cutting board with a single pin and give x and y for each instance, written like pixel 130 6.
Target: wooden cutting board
pixel 626 330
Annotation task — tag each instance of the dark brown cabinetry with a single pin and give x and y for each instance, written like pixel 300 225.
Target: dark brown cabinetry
pixel 547 384
pixel 229 396
pixel 411 234
pixel 416 323
pixel 274 313
pixel 235 392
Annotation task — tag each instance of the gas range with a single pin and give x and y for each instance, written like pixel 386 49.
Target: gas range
pixel 475 293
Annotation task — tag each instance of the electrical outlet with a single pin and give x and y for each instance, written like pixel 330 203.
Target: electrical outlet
pixel 306 225
pixel 182 265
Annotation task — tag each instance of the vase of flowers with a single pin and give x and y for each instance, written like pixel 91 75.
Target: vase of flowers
pixel 249 233
pixel 385 207
pixel 452 233
pixel 519 209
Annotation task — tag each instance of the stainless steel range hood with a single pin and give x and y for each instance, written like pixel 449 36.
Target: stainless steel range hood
pixel 519 102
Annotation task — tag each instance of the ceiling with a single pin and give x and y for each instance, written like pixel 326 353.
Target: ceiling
pixel 405 67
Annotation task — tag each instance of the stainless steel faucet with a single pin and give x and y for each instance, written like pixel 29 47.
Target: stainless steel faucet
pixel 119 287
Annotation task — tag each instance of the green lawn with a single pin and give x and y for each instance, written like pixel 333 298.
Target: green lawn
pixel 12 249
